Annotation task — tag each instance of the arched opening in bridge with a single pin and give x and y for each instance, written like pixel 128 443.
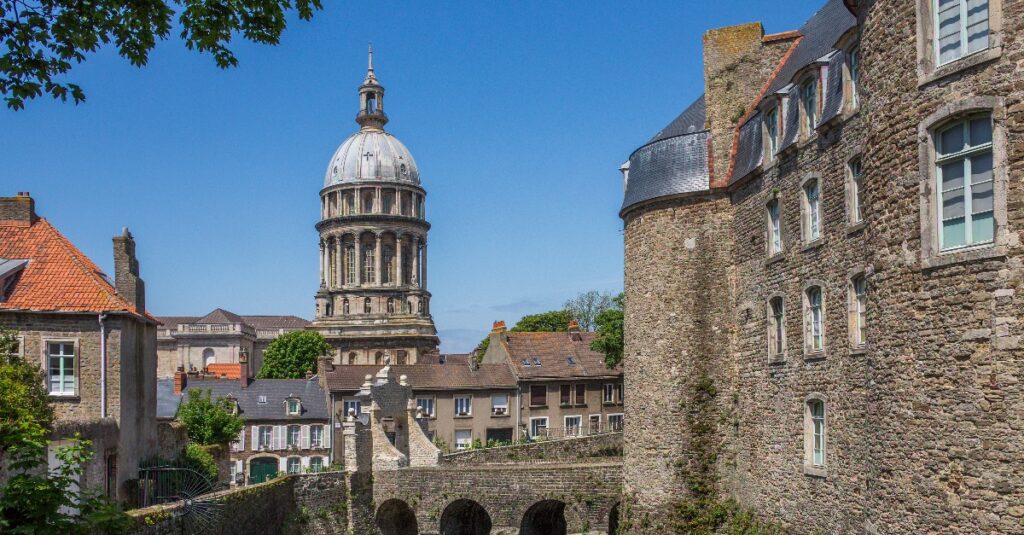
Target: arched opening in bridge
pixel 395 517
pixel 544 518
pixel 613 520
pixel 465 517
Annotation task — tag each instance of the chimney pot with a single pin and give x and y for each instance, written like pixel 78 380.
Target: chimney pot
pixel 180 380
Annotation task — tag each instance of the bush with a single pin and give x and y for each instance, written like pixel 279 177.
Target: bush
pixel 293 354
pixel 210 421
pixel 200 460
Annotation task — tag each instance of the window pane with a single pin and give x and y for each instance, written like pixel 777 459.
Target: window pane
pixel 952 175
pixel 953 233
pixel 981 198
pixel 981 168
pixel 981 131
pixel 953 204
pixel 951 140
pixel 977 25
pixel 983 227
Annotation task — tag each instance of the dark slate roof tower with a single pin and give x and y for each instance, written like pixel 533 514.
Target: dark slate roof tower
pixel 373 300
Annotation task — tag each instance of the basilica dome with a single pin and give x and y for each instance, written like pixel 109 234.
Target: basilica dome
pixel 372 155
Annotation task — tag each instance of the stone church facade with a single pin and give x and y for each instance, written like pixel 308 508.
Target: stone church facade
pixel 822 255
pixel 373 300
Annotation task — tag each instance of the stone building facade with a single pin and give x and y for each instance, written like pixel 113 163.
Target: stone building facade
pixel 373 294
pixel 218 342
pixel 93 339
pixel 822 259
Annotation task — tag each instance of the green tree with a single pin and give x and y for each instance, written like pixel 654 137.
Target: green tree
pixel 43 39
pixel 609 339
pixel 586 306
pixel 200 460
pixel 209 421
pixel 35 500
pixel 293 354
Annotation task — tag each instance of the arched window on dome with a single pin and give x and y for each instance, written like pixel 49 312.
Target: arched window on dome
pixel 350 264
pixel 368 202
pixel 366 306
pixel 369 268
pixel 388 202
pixel 387 265
pixel 350 204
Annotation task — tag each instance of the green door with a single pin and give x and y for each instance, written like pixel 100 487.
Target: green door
pixel 262 469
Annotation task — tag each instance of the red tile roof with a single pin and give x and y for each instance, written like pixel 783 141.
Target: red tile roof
pixel 453 376
pixel 58 277
pixel 553 351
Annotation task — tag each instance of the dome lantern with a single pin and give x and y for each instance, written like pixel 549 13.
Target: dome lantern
pixel 371 114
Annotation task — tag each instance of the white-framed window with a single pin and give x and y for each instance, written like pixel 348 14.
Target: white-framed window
pixel 261 399
pixel 858 306
pixel 239 443
pixel 961 28
pixel 499 404
pixel 776 327
pixel 573 426
pixel 463 405
pixel 294 432
pixel 316 464
pixel 809 103
pixel 774 227
pixel 293 407
pixel 266 434
pixel 609 393
pixel 853 65
pixel 812 210
pixel 771 124
pixel 594 424
pixel 539 426
pixel 294 465
pixel 615 422
pixel 62 368
pixel 853 184
pixel 350 405
pixel 816 433
pixel 463 439
pixel 964 164
pixel 814 313
pixel 316 436
pixel 426 406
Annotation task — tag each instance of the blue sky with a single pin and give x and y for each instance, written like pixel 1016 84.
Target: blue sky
pixel 518 114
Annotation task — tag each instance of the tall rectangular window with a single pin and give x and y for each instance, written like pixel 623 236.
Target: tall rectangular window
pixel 463 439
pixel 463 405
pixel 426 406
pixel 853 62
pixel 817 409
pixel 564 394
pixel 294 465
pixel 61 368
pixel 815 327
pixel 293 436
pixel 316 436
pixel 369 269
pixel 609 393
pixel 538 395
pixel 573 425
pixel 615 422
pixel 538 427
pixel 963 159
pixel 499 404
pixel 858 305
pixel 350 265
pixel 265 436
pixel 771 123
pixel 855 214
pixel 774 228
pixel 352 406
pixel 812 211
pixel 776 327
pixel 961 28
pixel 809 98
pixel 581 394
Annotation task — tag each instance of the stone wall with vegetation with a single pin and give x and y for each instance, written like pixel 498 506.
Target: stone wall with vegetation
pixel 606 446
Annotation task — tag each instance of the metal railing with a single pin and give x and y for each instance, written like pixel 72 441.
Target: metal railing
pixel 585 430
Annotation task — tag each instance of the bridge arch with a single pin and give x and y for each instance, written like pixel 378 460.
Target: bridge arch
pixel 465 517
pixel 546 517
pixel 395 517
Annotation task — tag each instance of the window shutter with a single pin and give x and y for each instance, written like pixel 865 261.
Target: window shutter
pixel 282 464
pixel 255 437
pixel 327 433
pixel 304 437
pixel 305 463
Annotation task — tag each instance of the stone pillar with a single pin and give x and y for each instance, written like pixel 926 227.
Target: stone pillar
pixel 424 285
pixel 415 260
pixel 377 258
pixel 398 260
pixel 359 261
pixel 340 253
pixel 322 264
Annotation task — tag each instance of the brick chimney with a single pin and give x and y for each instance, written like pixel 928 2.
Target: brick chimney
pixel 180 380
pixel 126 271
pixel 19 210
pixel 574 331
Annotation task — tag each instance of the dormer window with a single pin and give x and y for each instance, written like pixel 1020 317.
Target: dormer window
pixel 853 66
pixel 261 399
pixel 771 123
pixel 809 103
pixel 293 406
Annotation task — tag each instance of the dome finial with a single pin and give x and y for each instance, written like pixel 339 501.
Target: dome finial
pixel 369 68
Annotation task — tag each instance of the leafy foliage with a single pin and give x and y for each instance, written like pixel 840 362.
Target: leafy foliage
pixel 43 39
pixel 587 306
pixel 293 354
pixel 610 335
pixel 34 500
pixel 209 421
pixel 545 322
pixel 200 460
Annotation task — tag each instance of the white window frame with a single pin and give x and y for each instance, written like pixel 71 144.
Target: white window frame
pixel 774 218
pixel 811 224
pixel 467 400
pixel 288 407
pixel 462 446
pixel 608 394
pixel 854 173
pixel 269 442
pixel 75 369
pixel 963 28
pixel 815 435
pixel 616 416
pixel 773 131
pixel 811 114
pixel 288 465
pixel 350 403
pixel 289 442
pixel 316 469
pixel 858 310
pixel 776 327
pixel 495 406
pixel 814 320
pixel 966 156
pixel 317 442
pixel 853 67
pixel 430 402
pixel 534 432
pixel 591 430
pixel 570 430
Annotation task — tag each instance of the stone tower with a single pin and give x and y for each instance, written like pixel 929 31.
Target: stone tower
pixel 373 300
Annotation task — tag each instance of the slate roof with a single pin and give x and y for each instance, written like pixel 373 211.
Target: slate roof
pixel 166 400
pixel 314 404
pixel 560 356
pixel 224 316
pixel 691 120
pixel 58 277
pixel 276 322
pixel 424 377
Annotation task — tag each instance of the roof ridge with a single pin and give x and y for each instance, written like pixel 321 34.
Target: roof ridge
pixel 85 264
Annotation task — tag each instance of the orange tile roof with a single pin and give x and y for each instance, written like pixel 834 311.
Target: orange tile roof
pixel 58 277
